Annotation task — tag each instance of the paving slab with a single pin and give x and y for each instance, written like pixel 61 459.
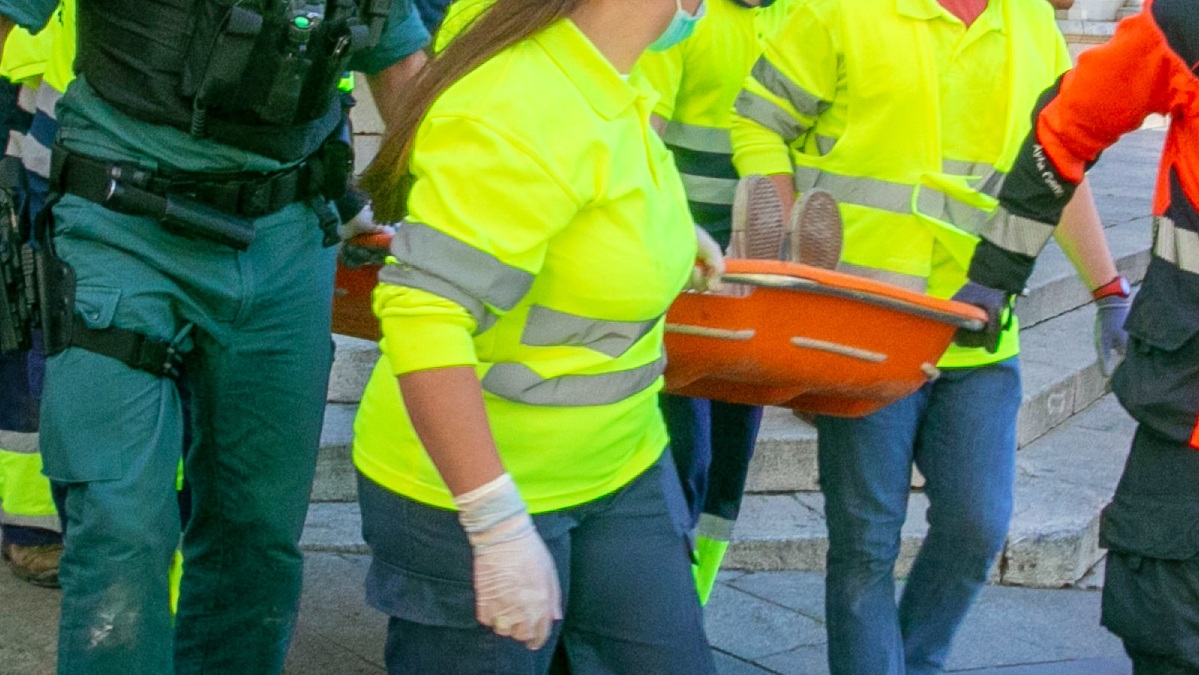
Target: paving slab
pixel 353 361
pixel 763 622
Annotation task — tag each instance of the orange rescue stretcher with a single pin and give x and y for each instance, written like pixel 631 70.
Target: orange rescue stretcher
pixel 358 264
pixel 782 334
pixel 809 339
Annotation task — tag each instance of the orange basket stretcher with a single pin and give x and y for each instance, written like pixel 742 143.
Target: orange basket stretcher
pixel 809 339
pixel 358 265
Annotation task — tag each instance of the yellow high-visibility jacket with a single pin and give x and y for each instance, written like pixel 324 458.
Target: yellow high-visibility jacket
pixel 909 118
pixel 547 234
pixel 698 80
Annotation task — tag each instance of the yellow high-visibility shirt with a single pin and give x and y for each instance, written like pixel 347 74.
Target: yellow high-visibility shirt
pixel 909 118
pixel 698 80
pixel 547 234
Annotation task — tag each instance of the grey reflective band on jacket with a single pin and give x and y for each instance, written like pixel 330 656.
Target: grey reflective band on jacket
pixel 1018 234
pixel 910 282
pixel 989 179
pixel 51 523
pixel 1176 245
pixel 825 144
pixel 433 261
pixel 778 84
pixel 709 190
pixel 894 197
pixel 19 442
pixel 703 139
pixel 517 382
pixel 714 527
pixel 547 327
pixel 769 115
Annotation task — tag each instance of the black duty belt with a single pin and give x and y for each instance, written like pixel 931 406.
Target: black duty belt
pixel 248 195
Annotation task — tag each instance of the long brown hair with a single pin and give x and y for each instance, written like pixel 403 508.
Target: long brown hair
pixel 505 23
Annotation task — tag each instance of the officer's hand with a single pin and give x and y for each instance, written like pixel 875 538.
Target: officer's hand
pixel 705 276
pixel 992 301
pixel 515 580
pixel 1111 340
pixel 363 223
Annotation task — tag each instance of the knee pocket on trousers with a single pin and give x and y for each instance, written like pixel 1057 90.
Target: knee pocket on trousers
pixel 419 598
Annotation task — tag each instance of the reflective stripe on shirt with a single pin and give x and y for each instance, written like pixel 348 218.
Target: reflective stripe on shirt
pixel 517 382
pixel 1176 245
pixel 547 327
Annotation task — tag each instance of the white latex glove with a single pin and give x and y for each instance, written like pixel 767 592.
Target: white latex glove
pixel 363 223
pixel 515 580
pixel 705 276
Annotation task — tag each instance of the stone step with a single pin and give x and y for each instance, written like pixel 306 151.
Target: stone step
pixel 1063 481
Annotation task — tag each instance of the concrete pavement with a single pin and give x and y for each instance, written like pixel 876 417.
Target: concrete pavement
pixel 758 623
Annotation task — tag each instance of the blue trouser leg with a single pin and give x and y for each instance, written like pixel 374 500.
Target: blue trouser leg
pixel 630 606
pixel 865 474
pixel 967 452
pixel 960 432
pixel 689 424
pixel 258 370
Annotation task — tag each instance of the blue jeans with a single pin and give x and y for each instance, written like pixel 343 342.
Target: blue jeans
pixel 622 561
pixel 960 430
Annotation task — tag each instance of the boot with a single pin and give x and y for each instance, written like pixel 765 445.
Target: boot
pixel 37 565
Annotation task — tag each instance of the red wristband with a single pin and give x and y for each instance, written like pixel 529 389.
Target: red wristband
pixel 1118 286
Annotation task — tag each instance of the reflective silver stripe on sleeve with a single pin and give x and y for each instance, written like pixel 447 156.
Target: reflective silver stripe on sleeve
pixel 910 282
pixel 403 274
pixel 517 382
pixel 1018 234
pixel 50 522
pixel 825 144
pixel 987 179
pixel 18 443
pixel 703 139
pixel 431 260
pixel 547 327
pixel 714 527
pixel 780 85
pixel 1176 245
pixel 709 190
pixel 894 197
pixel 769 115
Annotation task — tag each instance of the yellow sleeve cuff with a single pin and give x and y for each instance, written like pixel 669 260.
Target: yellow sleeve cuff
pixel 423 331
pixel 757 150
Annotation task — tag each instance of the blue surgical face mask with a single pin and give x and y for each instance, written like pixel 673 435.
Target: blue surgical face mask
pixel 680 28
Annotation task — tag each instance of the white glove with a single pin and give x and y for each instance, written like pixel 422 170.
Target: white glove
pixel 515 580
pixel 363 223
pixel 706 275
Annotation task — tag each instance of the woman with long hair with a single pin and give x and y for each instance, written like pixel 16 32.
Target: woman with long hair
pixel 515 491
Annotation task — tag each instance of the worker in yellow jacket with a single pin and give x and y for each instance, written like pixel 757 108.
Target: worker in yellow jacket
pixel 910 112
pixel 30 528
pixel 698 80
pixel 515 489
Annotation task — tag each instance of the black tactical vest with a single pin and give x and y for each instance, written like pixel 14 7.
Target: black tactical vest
pixel 260 75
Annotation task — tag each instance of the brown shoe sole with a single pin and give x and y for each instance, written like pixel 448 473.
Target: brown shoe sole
pixel 757 230
pixel 815 237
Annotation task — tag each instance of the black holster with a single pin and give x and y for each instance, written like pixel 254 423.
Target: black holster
pixel 18 298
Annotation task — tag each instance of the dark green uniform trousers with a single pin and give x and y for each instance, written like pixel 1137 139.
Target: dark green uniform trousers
pixel 258 361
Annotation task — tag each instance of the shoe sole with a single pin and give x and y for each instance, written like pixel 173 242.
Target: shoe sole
pixel 757 229
pixel 815 237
